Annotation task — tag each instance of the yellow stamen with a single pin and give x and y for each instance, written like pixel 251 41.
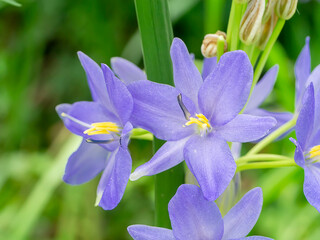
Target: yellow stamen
pixel 200 120
pixel 102 128
pixel 315 151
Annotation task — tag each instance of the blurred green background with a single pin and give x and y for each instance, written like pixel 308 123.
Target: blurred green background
pixel 39 69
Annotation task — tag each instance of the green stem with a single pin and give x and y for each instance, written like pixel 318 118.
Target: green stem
pixel 255 55
pixel 265 54
pixel 220 48
pixel 213 15
pixel 261 165
pixel 231 23
pixel 236 26
pixel 261 157
pixel 156 36
pixel 273 136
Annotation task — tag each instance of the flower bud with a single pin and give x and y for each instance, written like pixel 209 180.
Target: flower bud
pixel 210 43
pixel 251 21
pixel 266 31
pixel 269 10
pixel 286 8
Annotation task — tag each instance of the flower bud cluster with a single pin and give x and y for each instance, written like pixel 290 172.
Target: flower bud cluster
pixel 260 19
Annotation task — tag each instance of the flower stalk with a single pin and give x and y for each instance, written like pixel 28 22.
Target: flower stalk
pixel 273 136
pixel 156 36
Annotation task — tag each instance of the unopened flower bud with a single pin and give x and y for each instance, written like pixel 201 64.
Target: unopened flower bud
pixel 286 8
pixel 210 44
pixel 251 21
pixel 269 10
pixel 266 31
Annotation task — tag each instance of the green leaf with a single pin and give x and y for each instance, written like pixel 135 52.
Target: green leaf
pixel 12 2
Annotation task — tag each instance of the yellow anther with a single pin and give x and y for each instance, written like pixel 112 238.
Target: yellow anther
pixel 102 128
pixel 200 120
pixel 315 151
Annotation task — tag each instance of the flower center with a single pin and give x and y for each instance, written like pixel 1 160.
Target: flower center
pixel 315 152
pixel 102 128
pixel 199 120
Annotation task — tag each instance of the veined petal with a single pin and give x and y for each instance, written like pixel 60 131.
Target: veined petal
pixel 119 95
pixel 298 154
pixel 211 162
pixel 168 156
pixel 193 217
pixel 311 186
pixel 305 121
pixel 225 91
pixel 114 179
pixel 95 79
pixel 126 70
pixel 239 221
pixel 246 128
pixel 156 109
pixel 142 232
pixel 85 163
pixel 263 88
pixel 209 64
pixel 302 70
pixel 187 78
pixel 125 135
pixel 281 118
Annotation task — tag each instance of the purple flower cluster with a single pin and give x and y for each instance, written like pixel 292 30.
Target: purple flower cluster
pixel 197 118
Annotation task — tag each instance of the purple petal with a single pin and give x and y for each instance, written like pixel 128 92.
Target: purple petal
pixel 187 78
pixel 281 118
pixel 142 232
pixel 302 70
pixel 168 156
pixel 264 87
pixel 193 217
pixel 120 96
pixel 85 163
pixel 209 64
pixel 156 109
pixel 315 79
pixel 239 221
pixel 126 70
pixel 225 91
pixel 311 186
pixel 114 179
pixel 305 121
pixel 125 135
pixel 95 79
pixel 246 128
pixel 298 154
pixel 210 160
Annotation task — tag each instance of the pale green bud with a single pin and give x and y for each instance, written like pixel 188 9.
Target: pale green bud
pixel 269 10
pixel 286 8
pixel 266 31
pixel 210 44
pixel 251 21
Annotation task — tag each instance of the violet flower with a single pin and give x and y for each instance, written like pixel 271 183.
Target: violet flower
pixel 307 154
pixel 194 218
pixel 104 125
pixel 199 123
